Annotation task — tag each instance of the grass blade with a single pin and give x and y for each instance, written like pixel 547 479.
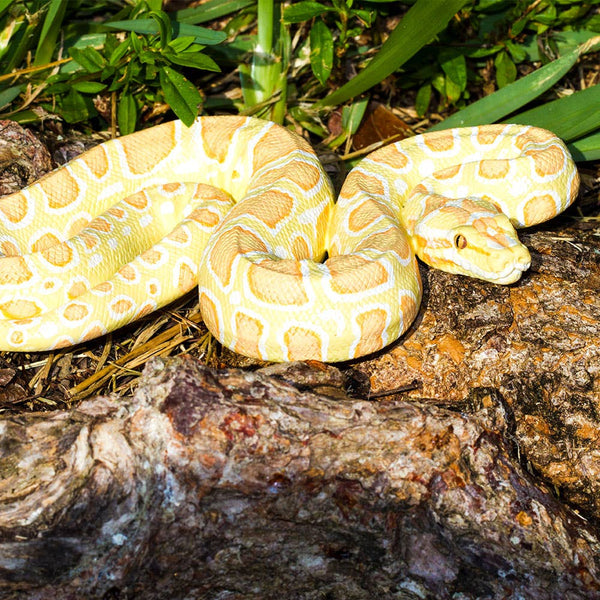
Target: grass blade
pixel 201 35
pixel 516 95
pixel 214 9
pixel 424 20
pixel 587 148
pixel 50 31
pixel 569 118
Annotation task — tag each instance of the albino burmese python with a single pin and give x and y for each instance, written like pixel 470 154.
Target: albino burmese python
pixel 242 208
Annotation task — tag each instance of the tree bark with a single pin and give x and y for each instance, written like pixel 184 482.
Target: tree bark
pixel 230 484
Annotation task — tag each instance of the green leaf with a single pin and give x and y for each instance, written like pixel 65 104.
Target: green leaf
pixel 126 114
pixel 201 35
pixel 506 71
pixel 9 94
pixel 321 51
pixel 569 118
pixel 454 65
pixel 164 25
pixel 424 20
pixel 89 58
pixel 88 87
pixel 352 115
pixel 423 99
pixel 50 32
pixel 303 11
pixel 515 95
pixel 181 44
pixel 196 60
pixel 75 108
pixel 181 95
pixel 120 51
pixel 211 10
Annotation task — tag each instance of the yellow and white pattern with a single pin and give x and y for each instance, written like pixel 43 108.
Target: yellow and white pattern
pixel 242 208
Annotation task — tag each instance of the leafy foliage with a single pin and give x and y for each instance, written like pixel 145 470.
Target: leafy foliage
pixel 124 61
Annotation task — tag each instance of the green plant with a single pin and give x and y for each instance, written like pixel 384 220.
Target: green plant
pixel 141 67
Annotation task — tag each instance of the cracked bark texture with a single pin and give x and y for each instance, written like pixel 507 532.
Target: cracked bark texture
pixel 237 485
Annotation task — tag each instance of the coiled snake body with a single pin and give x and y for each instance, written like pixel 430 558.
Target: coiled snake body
pixel 243 209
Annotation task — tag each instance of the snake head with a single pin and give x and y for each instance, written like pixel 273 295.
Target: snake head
pixel 486 247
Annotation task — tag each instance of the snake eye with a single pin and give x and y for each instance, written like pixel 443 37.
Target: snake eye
pixel 460 242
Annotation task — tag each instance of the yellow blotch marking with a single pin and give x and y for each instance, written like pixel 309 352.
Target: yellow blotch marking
pixel 248 333
pixel 137 200
pixel 179 236
pixel 153 289
pixel 14 270
pixel 14 207
pixel 59 255
pixel 300 248
pixel 439 142
pixel 494 169
pixel 549 162
pixel 77 226
pixel 305 175
pixel 362 216
pixel 121 306
pixel 205 217
pixel 128 273
pixel 170 187
pixel 90 241
pixel 372 324
pixel 228 247
pixel 408 306
pixel 302 344
pixel 92 333
pixel 448 172
pixel 106 287
pixel 387 240
pixel 393 157
pixel 539 209
pixel 96 161
pixel 101 224
pixel 75 311
pixel 538 136
pixel 145 309
pixel 9 249
pixel 186 278
pixel 116 212
pixel 487 136
pixel 147 148
pixel 77 289
pixel 61 189
pixel 20 309
pixel 354 274
pixel 275 144
pixel 45 241
pixel 209 313
pixel 151 256
pixel 359 182
pixel 217 136
pixel 16 338
pixel 278 282
pixel 273 207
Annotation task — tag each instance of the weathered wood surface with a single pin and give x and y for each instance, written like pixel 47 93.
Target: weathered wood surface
pixel 231 484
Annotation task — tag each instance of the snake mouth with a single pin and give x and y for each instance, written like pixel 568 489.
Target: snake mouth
pixel 510 274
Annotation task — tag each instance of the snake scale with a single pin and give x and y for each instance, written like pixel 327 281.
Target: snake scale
pixel 243 209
